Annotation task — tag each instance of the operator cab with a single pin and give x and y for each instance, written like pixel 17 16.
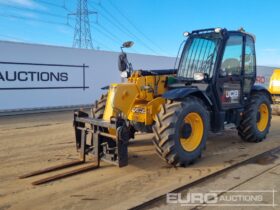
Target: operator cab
pixel 225 60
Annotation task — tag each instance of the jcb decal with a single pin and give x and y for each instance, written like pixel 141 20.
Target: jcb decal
pixel 232 93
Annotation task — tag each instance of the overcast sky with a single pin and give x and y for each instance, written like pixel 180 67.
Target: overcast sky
pixel 156 26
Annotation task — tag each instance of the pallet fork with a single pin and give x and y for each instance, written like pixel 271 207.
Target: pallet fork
pixel 113 152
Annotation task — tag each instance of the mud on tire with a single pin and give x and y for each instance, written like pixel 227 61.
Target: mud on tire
pixel 168 127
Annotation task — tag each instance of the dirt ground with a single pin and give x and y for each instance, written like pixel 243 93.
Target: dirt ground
pixel 258 177
pixel 32 142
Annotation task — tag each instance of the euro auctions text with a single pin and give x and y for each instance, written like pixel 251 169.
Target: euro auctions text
pixel 223 198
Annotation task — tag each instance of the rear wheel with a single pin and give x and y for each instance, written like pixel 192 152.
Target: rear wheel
pixel 181 131
pixel 256 119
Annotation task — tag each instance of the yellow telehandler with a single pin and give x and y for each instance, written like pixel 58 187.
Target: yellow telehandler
pixel 274 89
pixel 212 86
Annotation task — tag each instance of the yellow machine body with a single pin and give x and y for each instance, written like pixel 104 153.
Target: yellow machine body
pixel 274 86
pixel 138 100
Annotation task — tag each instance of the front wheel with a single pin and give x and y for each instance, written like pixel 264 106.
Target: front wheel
pixel 181 131
pixel 97 112
pixel 256 119
pixel 98 108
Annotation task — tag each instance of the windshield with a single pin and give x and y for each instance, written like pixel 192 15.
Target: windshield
pixel 199 55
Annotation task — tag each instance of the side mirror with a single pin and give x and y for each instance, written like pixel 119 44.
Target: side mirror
pixel 127 44
pixel 124 66
pixel 122 63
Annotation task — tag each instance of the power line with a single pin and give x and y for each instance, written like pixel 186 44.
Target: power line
pixel 36 11
pixel 65 7
pixel 105 32
pixel 134 26
pixel 109 34
pixel 32 19
pixel 101 29
pixel 102 44
pixel 51 22
pixel 123 28
pixel 99 43
pixel 49 3
pixel 127 32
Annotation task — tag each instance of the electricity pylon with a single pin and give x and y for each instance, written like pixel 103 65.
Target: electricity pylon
pixel 82 33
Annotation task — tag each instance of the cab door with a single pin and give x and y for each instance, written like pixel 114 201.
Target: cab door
pixel 249 65
pixel 229 82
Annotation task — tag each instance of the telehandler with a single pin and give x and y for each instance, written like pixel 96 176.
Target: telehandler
pixel 212 86
pixel 274 89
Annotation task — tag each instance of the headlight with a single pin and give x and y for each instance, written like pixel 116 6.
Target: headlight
pixel 186 34
pixel 218 30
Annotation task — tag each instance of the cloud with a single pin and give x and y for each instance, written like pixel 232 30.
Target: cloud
pixel 270 50
pixel 22 3
pixel 29 14
pixel 11 38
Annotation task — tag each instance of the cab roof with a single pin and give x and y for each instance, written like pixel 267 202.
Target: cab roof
pixel 222 31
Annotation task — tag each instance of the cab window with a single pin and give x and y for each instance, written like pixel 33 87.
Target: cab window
pixel 232 58
pixel 249 65
pixel 250 62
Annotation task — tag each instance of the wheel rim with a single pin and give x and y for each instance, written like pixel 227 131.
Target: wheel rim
pixel 263 117
pixel 193 141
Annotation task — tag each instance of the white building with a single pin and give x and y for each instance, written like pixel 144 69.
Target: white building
pixel 35 77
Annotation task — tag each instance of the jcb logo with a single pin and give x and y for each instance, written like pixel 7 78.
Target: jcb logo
pixel 232 94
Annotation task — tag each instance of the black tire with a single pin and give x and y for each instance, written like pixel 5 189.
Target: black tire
pixel 248 129
pixel 168 129
pixel 98 108
pixel 97 112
